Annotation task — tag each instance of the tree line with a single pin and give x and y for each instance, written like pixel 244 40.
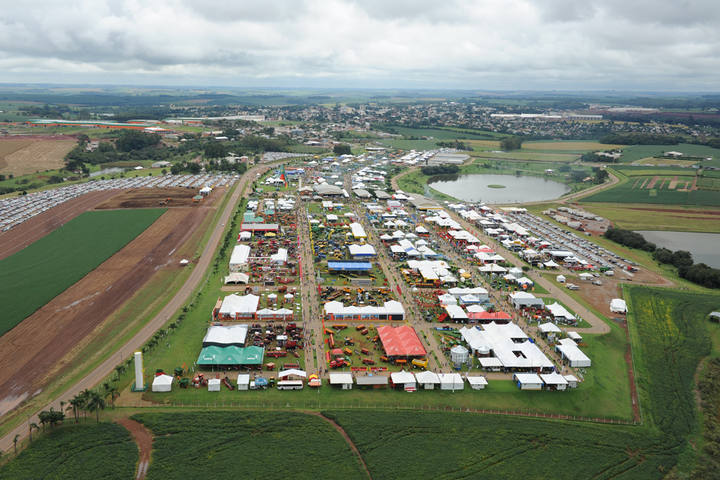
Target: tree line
pixel 698 273
pixel 440 170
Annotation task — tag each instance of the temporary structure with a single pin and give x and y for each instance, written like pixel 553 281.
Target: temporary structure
pixel 214 385
pixel 618 305
pixel 476 382
pixel 162 383
pixel 451 381
pixel 427 379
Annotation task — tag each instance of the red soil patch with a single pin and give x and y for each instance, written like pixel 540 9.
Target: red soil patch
pixel 673 183
pixel 143 438
pixel 157 197
pixel 653 182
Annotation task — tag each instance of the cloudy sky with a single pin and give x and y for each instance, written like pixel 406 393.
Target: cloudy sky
pixel 483 44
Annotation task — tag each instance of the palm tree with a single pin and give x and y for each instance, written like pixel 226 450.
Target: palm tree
pixel 85 395
pixel 112 392
pixel 95 403
pixel 31 426
pixel 15 440
pixel 75 404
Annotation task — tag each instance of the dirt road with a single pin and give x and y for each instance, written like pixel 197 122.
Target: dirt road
pixel 143 438
pixel 177 301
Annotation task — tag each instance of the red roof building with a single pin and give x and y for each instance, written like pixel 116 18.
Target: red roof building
pixel 487 317
pixel 401 341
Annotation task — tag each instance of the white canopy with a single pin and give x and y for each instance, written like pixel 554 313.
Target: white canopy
pixel 162 383
pixel 618 305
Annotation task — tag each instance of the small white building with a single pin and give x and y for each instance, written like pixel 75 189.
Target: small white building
pixel 554 381
pixel 451 381
pixel 343 379
pixel 528 381
pixel 618 305
pixel 162 383
pixel 243 381
pixel 406 379
pixel 428 379
pixel 477 382
pixel 214 385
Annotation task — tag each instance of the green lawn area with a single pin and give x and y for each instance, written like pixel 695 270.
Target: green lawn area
pixel 85 451
pixel 229 445
pixel 528 155
pixel 35 275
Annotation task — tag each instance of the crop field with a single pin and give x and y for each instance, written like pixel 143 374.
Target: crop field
pixel 577 146
pixel 459 445
pixel 80 452
pixel 529 155
pixel 446 134
pixel 633 153
pixel 21 157
pixel 649 217
pixel 33 276
pixel 670 338
pixel 668 188
pixel 229 445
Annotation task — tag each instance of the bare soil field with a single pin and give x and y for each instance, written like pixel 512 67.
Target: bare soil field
pixel 37 227
pixel 24 155
pixel 157 197
pixel 38 348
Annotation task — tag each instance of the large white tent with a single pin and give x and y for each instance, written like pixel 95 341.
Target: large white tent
pixel 162 383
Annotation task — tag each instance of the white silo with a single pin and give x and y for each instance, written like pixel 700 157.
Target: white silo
pixel 458 355
pixel 139 381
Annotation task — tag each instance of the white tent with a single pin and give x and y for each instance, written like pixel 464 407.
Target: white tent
pixel 528 381
pixel 549 327
pixel 558 311
pixel 214 385
pixel 343 379
pixel 554 381
pixel 618 305
pixel 406 379
pixel 162 383
pixel 243 381
pixel 427 379
pixel 476 382
pixel 560 278
pixel 569 351
pixel 451 381
pixel 492 268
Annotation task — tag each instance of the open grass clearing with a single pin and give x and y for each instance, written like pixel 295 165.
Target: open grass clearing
pixel 33 276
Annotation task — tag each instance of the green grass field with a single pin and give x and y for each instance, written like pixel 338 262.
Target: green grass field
pixel 35 275
pixel 410 445
pixel 632 153
pixel 229 445
pixel 86 451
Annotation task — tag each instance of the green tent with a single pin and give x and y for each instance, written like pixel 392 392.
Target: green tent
pixel 214 356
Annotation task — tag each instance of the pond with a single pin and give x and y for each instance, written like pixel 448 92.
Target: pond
pixel 703 246
pixel 496 189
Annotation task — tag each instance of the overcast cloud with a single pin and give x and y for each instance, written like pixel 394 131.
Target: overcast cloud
pixel 484 44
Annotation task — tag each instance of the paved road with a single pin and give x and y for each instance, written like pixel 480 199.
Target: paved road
pixel 180 298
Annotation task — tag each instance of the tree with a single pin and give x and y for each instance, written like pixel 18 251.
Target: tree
pixel 342 149
pixel 31 427
pixel 511 143
pixel 83 139
pixel 215 150
pixel 601 175
pixel 95 403
pixel 130 140
pixel 15 441
pixel 76 404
